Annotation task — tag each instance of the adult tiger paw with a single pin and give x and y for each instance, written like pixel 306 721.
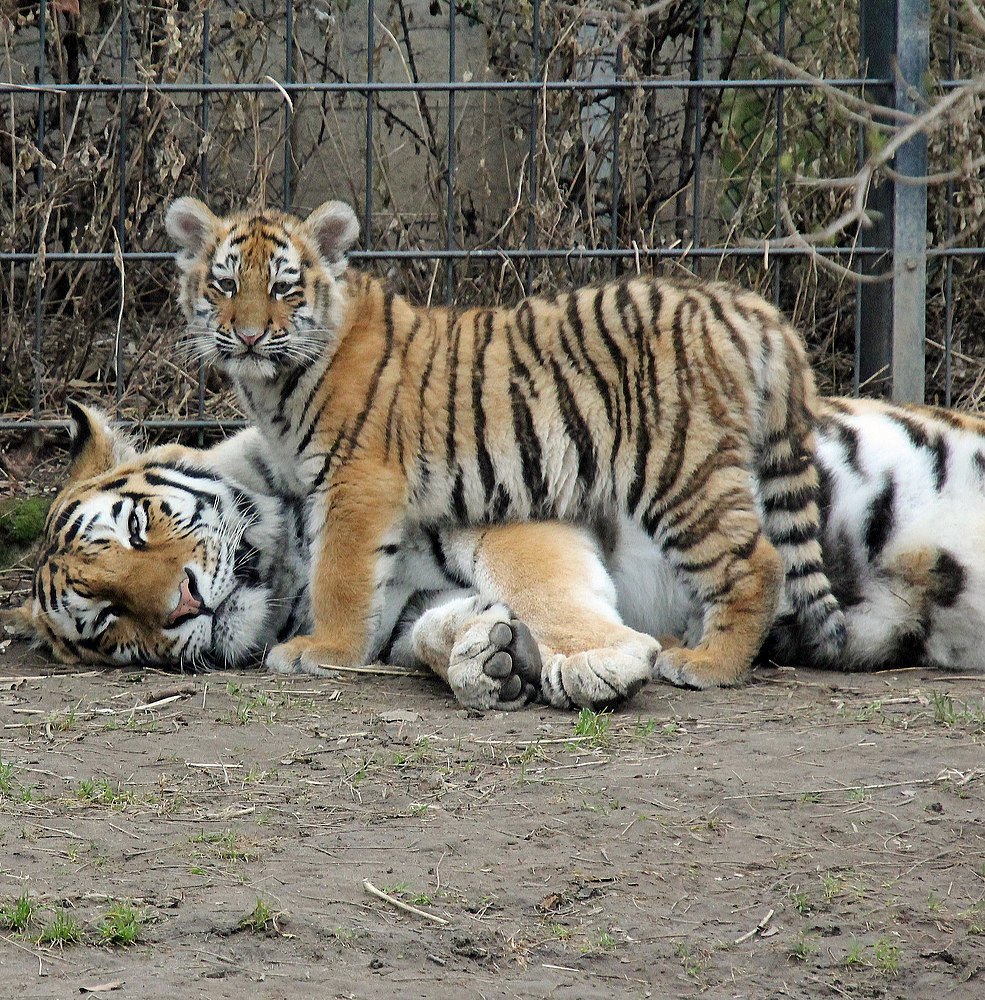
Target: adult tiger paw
pixel 599 678
pixel 304 655
pixel 495 663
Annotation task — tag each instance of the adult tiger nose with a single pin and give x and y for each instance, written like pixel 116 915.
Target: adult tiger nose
pixel 189 606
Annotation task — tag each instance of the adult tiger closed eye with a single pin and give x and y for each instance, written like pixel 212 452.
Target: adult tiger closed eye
pixel 684 406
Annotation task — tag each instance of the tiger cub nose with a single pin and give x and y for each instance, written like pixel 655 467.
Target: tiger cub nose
pixel 250 337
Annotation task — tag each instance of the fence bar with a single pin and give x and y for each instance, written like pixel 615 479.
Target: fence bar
pixel 534 129
pixel 159 423
pixel 699 44
pixel 896 35
pixel 577 253
pixel 450 210
pixel 121 224
pixel 288 111
pixel 441 86
pixel 614 179
pixel 781 50
pixel 910 207
pixel 203 168
pixel 875 346
pixel 39 283
pixel 370 109
pixel 952 23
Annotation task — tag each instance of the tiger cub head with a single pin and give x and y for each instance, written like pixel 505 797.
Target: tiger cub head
pixel 155 558
pixel 260 289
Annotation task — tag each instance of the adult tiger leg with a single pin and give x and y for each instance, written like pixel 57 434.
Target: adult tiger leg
pixel 551 577
pixel 715 540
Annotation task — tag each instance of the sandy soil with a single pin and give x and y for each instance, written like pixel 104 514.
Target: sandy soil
pixel 809 835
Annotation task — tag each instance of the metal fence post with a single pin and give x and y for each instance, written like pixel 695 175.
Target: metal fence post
pixel 895 46
pixel 875 330
pixel 910 206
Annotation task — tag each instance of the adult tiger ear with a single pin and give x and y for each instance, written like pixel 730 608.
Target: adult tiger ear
pixel 190 223
pixel 19 621
pixel 335 228
pixel 96 447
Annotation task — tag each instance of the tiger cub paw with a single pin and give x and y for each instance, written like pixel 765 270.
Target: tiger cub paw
pixel 495 663
pixel 694 668
pixel 303 655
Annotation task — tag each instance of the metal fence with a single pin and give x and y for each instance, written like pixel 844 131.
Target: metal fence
pixel 493 149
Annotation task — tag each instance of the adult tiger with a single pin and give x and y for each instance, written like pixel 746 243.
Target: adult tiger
pixel 194 559
pixel 170 556
pixel 904 533
pixel 189 559
pixel 683 406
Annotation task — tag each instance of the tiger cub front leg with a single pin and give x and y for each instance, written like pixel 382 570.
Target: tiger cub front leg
pixel 349 524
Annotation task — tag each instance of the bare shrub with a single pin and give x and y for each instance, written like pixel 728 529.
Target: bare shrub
pixel 560 170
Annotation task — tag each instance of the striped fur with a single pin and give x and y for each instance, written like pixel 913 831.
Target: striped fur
pixel 191 559
pixel 684 406
pixel 904 534
pixel 903 538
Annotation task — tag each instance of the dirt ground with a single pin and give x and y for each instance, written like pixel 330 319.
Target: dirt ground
pixel 809 835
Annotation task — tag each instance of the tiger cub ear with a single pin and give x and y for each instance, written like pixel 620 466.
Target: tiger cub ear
pixel 335 228
pixel 190 223
pixel 95 447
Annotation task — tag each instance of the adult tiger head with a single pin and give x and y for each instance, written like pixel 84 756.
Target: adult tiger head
pixel 166 557
pixel 260 289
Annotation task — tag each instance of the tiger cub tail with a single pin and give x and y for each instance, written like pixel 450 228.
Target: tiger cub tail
pixel 790 493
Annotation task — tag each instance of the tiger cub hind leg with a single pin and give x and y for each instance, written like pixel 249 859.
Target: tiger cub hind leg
pixel 718 546
pixel 734 632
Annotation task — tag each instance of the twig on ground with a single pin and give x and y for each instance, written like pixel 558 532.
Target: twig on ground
pixel 387 671
pixel 400 904
pixel 758 929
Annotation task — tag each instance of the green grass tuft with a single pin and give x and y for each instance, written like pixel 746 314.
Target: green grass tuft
pixel 21 522
pixel 61 930
pixel 120 926
pixel 17 915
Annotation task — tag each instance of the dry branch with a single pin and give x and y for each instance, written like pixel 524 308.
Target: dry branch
pixel 400 904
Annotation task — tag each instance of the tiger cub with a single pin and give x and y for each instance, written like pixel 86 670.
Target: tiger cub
pixel 683 406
